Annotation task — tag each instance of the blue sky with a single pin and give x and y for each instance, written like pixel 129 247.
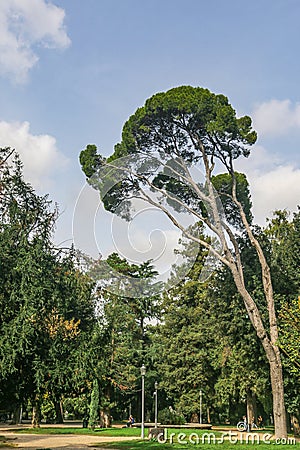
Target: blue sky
pixel 71 72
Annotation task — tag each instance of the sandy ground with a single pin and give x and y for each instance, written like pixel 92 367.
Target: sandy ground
pixel 61 442
pixel 78 442
pixel 55 442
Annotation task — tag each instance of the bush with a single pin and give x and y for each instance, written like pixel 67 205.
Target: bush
pixel 77 407
pixel 47 410
pixel 169 416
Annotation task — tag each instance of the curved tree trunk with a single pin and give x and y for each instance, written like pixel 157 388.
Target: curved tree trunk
pixel 271 350
pixel 268 338
pixel 276 376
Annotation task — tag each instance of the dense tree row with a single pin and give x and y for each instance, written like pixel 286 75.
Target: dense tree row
pixel 161 141
pixel 47 305
pixel 203 340
pixel 70 342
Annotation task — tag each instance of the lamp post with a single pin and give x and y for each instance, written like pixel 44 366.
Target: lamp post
pixel 155 393
pixel 143 373
pixel 200 407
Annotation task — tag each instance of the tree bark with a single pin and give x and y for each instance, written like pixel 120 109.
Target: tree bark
pixel 279 412
pixel 35 422
pixel 208 415
pixel 17 415
pixel 269 341
pixel 271 349
pixel 105 418
pixel 295 425
pixel 251 407
pixel 58 412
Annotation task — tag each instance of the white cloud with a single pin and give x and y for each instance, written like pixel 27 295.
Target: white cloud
pixel 273 184
pixel 259 161
pixel 276 117
pixel 38 153
pixel 276 189
pixel 25 24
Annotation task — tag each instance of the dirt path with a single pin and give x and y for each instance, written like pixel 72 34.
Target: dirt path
pixel 48 441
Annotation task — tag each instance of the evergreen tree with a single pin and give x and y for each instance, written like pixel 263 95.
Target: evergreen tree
pixel 283 232
pixel 124 314
pixel 183 342
pixel 46 304
pixel 94 405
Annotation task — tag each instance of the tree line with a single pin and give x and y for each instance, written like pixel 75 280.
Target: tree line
pixel 161 144
pixel 69 343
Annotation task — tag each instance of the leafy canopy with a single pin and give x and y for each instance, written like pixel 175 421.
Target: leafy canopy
pixel 175 121
pixel 172 131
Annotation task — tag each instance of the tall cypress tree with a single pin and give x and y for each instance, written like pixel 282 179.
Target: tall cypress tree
pixel 94 405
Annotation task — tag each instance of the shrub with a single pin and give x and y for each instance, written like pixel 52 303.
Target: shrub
pixel 169 416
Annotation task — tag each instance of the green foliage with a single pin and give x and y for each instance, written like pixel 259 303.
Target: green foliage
pixel 47 410
pixel 123 331
pixel 175 126
pixel 290 333
pixel 94 405
pixel 46 303
pixel 223 184
pixel 283 232
pixel 183 342
pixel 239 356
pixel 169 416
pixel 182 114
pixel 206 341
pixel 77 407
pixel 89 160
pixel 289 342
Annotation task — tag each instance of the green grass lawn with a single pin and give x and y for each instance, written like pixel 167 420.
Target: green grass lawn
pixel 68 430
pixel 125 432
pixel 190 438
pixel 217 445
pixel 139 445
pixel 185 438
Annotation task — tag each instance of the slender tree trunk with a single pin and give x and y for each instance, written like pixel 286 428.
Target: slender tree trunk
pixel 251 407
pixel 271 350
pixel 35 422
pixel 58 412
pixel 105 411
pixel 208 414
pixel 279 412
pixel 105 418
pixel 268 339
pixel 17 415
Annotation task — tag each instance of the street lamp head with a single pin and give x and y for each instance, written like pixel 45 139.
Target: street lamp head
pixel 156 385
pixel 143 370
